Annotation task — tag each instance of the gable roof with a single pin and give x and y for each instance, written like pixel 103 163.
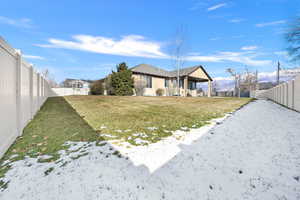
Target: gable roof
pixel 155 71
pixel 184 71
pixel 149 69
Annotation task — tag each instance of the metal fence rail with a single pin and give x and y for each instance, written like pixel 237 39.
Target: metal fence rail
pixel 22 93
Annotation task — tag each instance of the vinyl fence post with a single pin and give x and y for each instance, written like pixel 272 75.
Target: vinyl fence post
pixel 293 94
pixel 38 89
pixel 18 91
pixel 31 91
pixel 42 90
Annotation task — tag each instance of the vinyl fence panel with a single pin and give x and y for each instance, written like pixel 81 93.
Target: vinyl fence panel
pixel 8 108
pixel 297 93
pixel 287 94
pixel 22 92
pixel 25 101
pixel 69 91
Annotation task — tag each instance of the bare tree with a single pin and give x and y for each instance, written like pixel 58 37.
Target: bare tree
pixel 249 80
pixel 170 90
pixel 293 39
pixel 139 86
pixel 236 77
pixel 50 78
pixel 215 86
pixel 178 53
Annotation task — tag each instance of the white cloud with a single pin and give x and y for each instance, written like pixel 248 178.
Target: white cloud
pixel 281 53
pixel 130 45
pixel 216 6
pixel 246 58
pixel 23 22
pixel 285 75
pixel 238 20
pixel 138 46
pixel 33 57
pixel 249 48
pixel 271 23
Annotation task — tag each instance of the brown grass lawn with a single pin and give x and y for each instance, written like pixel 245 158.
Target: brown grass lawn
pixel 123 117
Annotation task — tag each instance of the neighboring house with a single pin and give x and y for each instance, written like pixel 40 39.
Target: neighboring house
pixel 151 78
pixel 76 83
pixel 225 93
pixel 265 85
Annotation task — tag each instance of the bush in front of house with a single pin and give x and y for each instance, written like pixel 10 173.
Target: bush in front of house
pixel 122 81
pixel 97 88
pixel 160 92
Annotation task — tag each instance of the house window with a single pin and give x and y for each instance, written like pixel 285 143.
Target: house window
pixel 181 83
pixel 166 83
pixel 192 85
pixel 174 83
pixel 148 80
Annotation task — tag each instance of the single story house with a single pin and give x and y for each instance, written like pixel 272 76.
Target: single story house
pixel 76 83
pixel 151 78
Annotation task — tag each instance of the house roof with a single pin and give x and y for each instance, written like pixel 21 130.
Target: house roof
pixel 149 69
pixel 71 79
pixel 155 71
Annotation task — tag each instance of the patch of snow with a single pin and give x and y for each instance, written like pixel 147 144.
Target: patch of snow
pixel 184 128
pixel 13 156
pixel 45 157
pixel 75 146
pixel 143 135
pixel 103 127
pixel 108 135
pixel 5 162
pixel 139 141
pixel 253 154
pixel 152 128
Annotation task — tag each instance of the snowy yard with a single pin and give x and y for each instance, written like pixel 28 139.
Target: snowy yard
pixel 253 153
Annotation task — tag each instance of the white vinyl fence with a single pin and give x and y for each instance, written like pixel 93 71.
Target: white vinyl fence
pixel 69 91
pixel 287 94
pixel 22 93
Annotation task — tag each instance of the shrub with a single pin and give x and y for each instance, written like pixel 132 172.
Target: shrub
pixel 160 92
pixel 122 81
pixel 97 88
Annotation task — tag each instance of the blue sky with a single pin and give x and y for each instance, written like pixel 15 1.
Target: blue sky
pixel 86 39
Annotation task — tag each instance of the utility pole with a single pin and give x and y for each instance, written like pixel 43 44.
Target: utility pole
pixel 278 69
pixel 239 85
pixel 178 81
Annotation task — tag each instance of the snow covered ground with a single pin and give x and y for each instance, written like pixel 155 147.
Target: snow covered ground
pixel 252 154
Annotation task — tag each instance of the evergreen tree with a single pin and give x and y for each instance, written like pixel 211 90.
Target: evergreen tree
pixel 122 81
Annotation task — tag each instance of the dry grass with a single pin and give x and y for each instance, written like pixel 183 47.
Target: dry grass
pixel 155 117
